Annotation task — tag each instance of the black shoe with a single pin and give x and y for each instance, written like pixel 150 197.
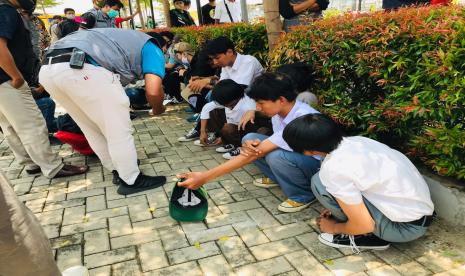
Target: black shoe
pixel 132 115
pixel 115 177
pixel 143 182
pixel 33 171
pixel 356 242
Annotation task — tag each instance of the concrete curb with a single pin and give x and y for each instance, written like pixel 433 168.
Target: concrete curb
pixel 448 197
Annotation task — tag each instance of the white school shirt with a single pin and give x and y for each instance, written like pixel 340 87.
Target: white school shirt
pixel 222 14
pixel 233 116
pixel 361 167
pixel 279 123
pixel 244 70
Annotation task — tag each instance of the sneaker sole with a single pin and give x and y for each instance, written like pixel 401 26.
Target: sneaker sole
pixel 325 242
pixel 123 190
pixel 223 151
pixel 293 209
pixel 266 186
pixel 182 139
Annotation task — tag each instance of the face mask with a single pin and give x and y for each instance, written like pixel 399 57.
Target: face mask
pixel 28 5
pixel 70 16
pixel 112 13
pixel 184 60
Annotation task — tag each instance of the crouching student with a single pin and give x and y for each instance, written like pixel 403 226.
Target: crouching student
pixel 231 114
pixel 373 194
pixel 275 97
pixel 301 75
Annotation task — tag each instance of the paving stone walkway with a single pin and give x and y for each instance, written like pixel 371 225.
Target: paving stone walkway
pixel 244 234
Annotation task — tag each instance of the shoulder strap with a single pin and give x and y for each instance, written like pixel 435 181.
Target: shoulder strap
pixel 229 12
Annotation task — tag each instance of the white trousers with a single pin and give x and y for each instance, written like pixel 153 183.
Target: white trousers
pixel 25 130
pixel 95 99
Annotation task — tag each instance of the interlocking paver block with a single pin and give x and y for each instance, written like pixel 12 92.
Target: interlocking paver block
pixel 353 264
pixel 287 231
pixel 95 203
pixel 239 206
pixel 265 268
pixel 152 256
pixel 134 239
pixel 220 196
pixel 215 265
pixel 63 204
pixel 120 226
pixel 69 256
pixel 210 234
pixel 108 213
pixel 96 241
pixel 173 238
pixel 226 219
pixel 126 268
pixel 110 257
pixel 83 227
pixel 384 270
pixel 190 268
pixel 74 215
pixel 305 263
pixel 250 233
pixel 235 251
pixel 274 249
pixel 263 219
pixel 198 251
pixel 140 211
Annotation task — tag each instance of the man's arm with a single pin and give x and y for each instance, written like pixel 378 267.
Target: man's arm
pixel 8 65
pixel 196 179
pixel 124 19
pixel 154 93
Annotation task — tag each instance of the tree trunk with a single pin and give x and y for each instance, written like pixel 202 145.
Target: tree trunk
pixel 166 11
pixel 272 21
pixel 43 8
pixel 141 17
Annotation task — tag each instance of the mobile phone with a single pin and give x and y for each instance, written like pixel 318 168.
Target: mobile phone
pixel 78 57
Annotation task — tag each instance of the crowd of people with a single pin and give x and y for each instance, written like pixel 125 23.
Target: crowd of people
pixel 99 73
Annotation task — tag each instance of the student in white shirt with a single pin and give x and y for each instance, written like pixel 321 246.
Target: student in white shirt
pixel 228 106
pixel 275 96
pixel 373 194
pixel 242 69
pixel 222 15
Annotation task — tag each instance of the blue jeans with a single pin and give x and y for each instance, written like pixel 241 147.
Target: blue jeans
pixel 292 171
pixel 47 107
pixel 136 96
pixel 384 228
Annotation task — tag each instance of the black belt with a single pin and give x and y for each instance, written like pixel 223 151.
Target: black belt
pixel 58 56
pixel 424 221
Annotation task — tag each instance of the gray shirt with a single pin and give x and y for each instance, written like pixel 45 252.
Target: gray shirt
pixel 102 20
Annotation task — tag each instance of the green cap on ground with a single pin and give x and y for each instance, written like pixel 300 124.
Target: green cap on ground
pixel 188 205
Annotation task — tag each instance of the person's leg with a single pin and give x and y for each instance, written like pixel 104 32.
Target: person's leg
pixel 172 84
pixel 136 96
pixel 230 135
pixel 24 247
pixel 99 95
pixel 326 199
pixel 216 121
pixel 48 76
pixel 293 172
pixel 25 129
pixel 47 107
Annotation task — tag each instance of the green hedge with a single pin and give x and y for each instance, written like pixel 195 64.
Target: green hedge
pixel 250 39
pixel 397 77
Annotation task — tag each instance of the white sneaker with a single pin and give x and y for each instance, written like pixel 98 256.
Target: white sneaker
pixel 265 182
pixel 210 140
pixel 78 270
pixel 225 148
pixel 291 206
pixel 190 136
pixel 230 155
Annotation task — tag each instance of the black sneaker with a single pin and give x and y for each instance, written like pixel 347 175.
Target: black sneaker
pixel 143 183
pixel 356 242
pixel 190 136
pixel 230 155
pixel 33 171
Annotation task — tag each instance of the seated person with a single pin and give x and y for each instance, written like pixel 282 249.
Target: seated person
pixel 373 194
pixel 276 98
pixel 302 76
pixel 173 80
pixel 224 115
pixel 242 69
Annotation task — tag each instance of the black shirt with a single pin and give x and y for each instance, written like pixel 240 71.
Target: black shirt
pixel 68 26
pixel 286 10
pixel 19 42
pixel 201 65
pixel 394 4
pixel 181 19
pixel 207 12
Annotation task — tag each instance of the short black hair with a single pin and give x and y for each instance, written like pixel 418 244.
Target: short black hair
pixel 69 10
pixel 57 17
pixel 227 91
pixel 219 45
pixel 187 2
pixel 271 86
pixel 167 34
pixel 313 132
pixel 110 3
pixel 158 39
pixel 87 20
pixel 300 73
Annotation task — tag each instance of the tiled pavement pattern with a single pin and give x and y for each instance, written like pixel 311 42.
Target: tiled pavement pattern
pixel 244 234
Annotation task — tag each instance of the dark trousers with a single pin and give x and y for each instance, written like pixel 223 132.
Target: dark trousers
pixel 230 134
pixel 172 84
pixel 47 107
